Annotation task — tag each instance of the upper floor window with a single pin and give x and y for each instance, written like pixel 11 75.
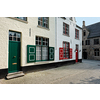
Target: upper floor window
pixel 87 42
pixel 22 18
pixel 76 34
pixel 43 21
pixel 66 29
pixel 84 33
pixel 96 41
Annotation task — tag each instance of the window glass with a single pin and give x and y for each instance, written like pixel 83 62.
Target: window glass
pixel 38 52
pixel 43 21
pixel 65 29
pixel 76 33
pixel 41 48
pixel 14 36
pixel 22 18
pixel 66 50
pixel 96 41
pixel 96 52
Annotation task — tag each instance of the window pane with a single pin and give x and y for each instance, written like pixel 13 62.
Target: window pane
pixel 18 39
pixel 44 53
pixel 17 35
pixel 38 52
pixel 10 38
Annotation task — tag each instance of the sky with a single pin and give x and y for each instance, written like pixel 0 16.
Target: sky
pixel 88 20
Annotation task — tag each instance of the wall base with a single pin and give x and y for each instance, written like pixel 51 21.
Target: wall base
pixel 33 68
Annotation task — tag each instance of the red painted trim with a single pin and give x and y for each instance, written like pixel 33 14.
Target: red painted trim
pixel 76 30
pixel 66 29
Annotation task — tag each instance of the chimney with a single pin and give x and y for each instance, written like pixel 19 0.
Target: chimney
pixel 83 23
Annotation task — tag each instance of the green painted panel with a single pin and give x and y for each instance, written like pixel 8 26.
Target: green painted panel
pixel 31 53
pixel 51 53
pixel 14 56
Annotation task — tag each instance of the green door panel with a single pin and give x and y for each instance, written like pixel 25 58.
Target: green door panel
pixel 51 53
pixel 14 56
pixel 31 53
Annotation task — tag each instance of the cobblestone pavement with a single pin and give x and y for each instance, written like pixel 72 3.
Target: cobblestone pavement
pixel 87 72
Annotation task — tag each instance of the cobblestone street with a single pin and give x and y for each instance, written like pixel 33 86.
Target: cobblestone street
pixel 87 72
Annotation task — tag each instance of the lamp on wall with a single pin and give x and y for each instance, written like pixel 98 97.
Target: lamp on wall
pixel 75 50
pixel 79 50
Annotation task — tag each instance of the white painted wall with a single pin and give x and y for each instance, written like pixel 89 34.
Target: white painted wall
pixel 56 37
pixel 71 38
pixel 7 24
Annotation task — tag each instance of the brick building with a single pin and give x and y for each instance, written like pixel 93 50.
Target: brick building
pixel 91 41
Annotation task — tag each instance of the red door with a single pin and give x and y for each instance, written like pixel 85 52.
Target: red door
pixel 76 53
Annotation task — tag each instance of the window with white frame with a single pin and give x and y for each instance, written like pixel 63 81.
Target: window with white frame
pixel 22 18
pixel 14 36
pixel 42 48
pixel 76 33
pixel 65 50
pixel 43 21
pixel 65 29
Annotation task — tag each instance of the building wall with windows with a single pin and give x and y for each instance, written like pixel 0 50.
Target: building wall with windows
pixel 91 41
pixel 67 39
pixel 29 29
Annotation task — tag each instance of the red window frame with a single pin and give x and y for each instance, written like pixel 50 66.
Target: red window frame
pixel 76 32
pixel 65 28
pixel 66 50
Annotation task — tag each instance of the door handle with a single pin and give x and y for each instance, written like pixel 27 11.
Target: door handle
pixel 14 63
pixel 14 56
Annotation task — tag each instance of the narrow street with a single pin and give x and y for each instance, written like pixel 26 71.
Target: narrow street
pixel 87 72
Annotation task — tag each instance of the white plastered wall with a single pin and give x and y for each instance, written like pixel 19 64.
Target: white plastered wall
pixel 7 24
pixel 71 38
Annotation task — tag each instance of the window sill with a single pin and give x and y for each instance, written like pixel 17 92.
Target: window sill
pixel 43 27
pixel 76 38
pixel 44 62
pixel 66 35
pixel 19 20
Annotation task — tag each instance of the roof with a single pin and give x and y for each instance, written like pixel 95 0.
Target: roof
pixel 94 30
pixel 78 26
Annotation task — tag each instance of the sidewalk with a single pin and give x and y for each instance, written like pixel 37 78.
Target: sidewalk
pixel 80 73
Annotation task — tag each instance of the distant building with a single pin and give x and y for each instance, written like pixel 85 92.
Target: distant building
pixel 91 41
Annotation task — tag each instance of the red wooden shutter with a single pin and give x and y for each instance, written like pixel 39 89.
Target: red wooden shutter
pixel 60 53
pixel 70 53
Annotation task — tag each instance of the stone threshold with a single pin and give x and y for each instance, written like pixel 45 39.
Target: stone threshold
pixel 14 75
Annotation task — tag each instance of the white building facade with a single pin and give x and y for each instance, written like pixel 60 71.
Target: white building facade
pixel 30 41
pixel 26 41
pixel 68 42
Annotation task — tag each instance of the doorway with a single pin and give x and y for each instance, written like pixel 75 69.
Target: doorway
pixel 76 53
pixel 14 52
